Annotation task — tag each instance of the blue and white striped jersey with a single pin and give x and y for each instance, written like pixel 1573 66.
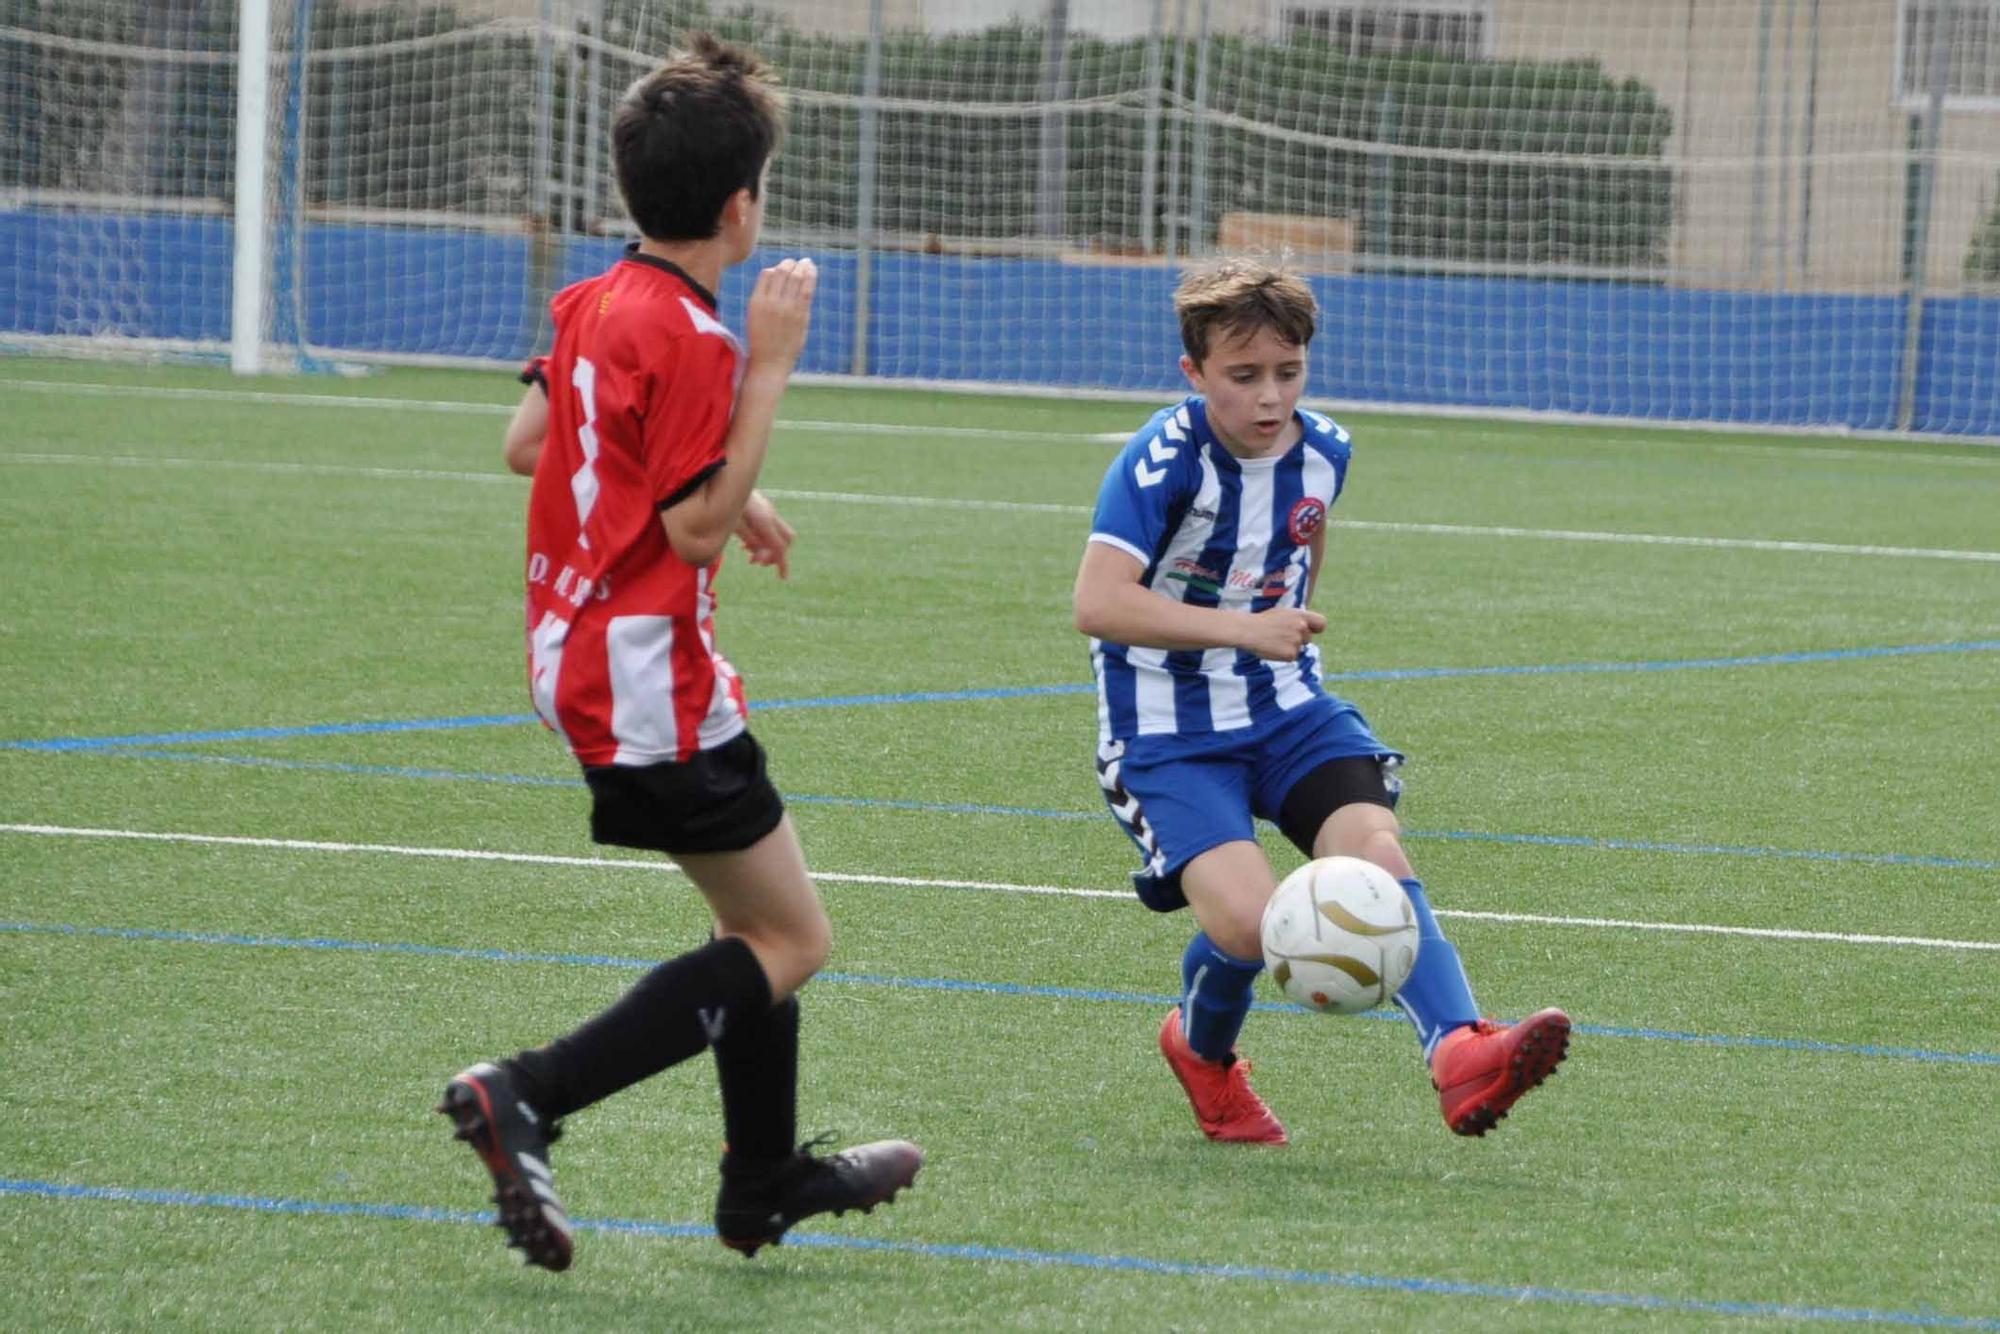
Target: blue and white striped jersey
pixel 1212 530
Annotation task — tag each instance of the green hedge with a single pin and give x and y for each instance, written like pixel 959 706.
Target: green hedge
pixel 940 173
pixel 452 128
pixel 1982 257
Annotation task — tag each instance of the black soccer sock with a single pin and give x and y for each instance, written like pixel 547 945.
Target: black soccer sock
pixel 670 1014
pixel 758 1062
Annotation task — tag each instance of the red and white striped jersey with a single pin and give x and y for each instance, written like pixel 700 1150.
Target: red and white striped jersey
pixel 621 631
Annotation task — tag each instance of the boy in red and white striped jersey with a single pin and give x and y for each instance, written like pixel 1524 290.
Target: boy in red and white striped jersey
pixel 645 428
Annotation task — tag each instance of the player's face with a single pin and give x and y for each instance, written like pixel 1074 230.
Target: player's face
pixel 1252 383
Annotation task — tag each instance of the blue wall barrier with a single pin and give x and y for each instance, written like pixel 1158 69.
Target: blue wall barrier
pixel 1612 349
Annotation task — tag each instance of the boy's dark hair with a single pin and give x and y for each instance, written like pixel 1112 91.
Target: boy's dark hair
pixel 691 134
pixel 1240 296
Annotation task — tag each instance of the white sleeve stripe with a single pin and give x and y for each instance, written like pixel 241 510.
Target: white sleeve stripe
pixel 1108 540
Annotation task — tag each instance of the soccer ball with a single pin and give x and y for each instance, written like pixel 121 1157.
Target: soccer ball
pixel 1340 935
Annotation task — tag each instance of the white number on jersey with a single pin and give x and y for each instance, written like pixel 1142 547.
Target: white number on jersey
pixel 583 483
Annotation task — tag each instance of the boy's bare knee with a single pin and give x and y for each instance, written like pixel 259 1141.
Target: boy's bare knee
pixel 815 944
pixel 1367 831
pixel 1241 936
pixel 791 952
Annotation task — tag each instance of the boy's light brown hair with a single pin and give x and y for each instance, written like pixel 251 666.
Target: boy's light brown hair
pixel 691 134
pixel 1238 297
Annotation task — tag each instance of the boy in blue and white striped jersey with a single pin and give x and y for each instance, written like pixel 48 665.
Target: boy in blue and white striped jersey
pixel 1209 535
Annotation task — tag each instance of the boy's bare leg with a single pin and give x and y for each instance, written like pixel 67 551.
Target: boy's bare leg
pixel 1227 887
pixel 764 897
pixel 1480 1068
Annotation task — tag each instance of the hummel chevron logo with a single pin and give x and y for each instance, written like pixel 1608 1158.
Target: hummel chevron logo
pixel 1176 428
pixel 1160 451
pixel 712 1022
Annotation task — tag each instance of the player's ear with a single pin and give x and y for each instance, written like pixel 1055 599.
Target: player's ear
pixel 736 208
pixel 1190 369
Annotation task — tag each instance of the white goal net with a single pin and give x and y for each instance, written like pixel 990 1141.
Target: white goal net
pixel 1774 212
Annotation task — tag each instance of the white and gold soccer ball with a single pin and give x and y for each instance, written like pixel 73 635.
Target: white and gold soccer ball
pixel 1340 935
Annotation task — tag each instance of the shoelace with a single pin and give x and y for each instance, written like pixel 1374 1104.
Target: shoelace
pixel 824 1139
pixel 1238 1096
pixel 804 1159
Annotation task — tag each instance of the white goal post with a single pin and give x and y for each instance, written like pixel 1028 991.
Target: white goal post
pixel 250 279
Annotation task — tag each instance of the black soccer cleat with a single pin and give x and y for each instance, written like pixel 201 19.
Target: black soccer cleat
pixel 756 1206
pixel 511 1140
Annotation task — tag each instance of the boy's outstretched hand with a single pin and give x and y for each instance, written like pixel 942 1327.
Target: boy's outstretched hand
pixel 780 314
pixel 764 535
pixel 1281 633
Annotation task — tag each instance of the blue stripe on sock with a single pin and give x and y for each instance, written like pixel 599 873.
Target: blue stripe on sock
pixel 1215 997
pixel 1437 997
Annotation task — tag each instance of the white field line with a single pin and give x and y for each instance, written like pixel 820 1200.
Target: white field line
pixel 101 390
pixel 88 389
pixel 1879 456
pixel 1034 507
pixel 933 502
pixel 1898 458
pixel 1668 540
pixel 999 886
pixel 1443 529
pixel 258 465
pixel 506 409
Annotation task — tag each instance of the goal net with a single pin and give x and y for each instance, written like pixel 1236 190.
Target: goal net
pixel 1773 212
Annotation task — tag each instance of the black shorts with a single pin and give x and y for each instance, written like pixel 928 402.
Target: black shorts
pixel 718 801
pixel 1335 784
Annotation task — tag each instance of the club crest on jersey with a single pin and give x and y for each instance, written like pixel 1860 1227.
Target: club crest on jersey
pixel 1308 513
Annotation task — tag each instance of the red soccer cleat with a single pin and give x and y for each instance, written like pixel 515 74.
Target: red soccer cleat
pixel 1482 1069
pixel 1224 1103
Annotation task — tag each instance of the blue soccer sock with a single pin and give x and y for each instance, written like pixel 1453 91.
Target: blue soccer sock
pixel 1215 997
pixel 1436 998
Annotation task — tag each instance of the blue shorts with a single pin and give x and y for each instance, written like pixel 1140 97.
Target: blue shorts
pixel 1178 796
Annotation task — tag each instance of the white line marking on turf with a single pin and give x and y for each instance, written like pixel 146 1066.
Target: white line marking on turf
pixel 1865 455
pixel 1046 507
pixel 506 409
pixel 1666 540
pixel 257 465
pixel 95 390
pixel 1610 425
pixel 1447 529
pixel 939 503
pixel 1712 929
pixel 529 858
pixel 839 877
pixel 932 502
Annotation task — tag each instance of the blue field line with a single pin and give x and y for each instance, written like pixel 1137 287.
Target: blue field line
pixel 946 984
pixel 1928 860
pixel 1016 1255
pixel 336 767
pixel 271 733
pixel 1013 692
